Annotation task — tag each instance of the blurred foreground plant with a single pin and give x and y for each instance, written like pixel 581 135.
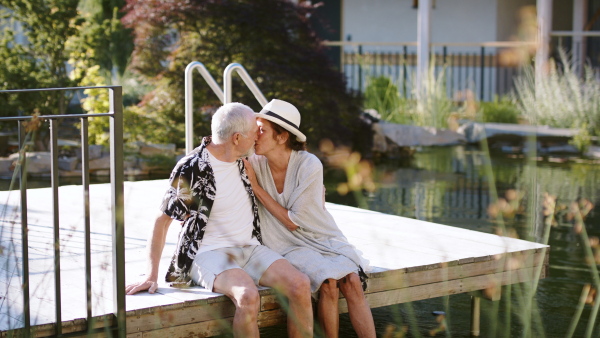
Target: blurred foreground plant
pixel 359 172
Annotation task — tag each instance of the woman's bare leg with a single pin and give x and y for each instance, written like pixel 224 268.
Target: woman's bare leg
pixel 358 308
pixel 327 308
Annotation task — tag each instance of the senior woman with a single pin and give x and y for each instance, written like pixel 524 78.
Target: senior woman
pixel 288 181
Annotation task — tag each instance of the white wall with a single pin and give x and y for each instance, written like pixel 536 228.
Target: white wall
pixel 396 21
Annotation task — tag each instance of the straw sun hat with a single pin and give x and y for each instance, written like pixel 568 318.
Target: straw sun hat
pixel 285 115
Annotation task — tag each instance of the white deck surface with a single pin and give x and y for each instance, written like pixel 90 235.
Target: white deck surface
pixel 388 242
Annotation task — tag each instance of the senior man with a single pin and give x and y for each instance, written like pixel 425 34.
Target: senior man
pixel 220 245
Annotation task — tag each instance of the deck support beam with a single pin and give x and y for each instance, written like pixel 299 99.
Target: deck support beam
pixel 475 315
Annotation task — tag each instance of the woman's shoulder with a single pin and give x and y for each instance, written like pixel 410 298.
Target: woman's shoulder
pixel 307 161
pixel 308 158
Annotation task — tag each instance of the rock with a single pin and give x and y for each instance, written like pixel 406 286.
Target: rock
pixel 37 162
pixel 95 151
pixel 380 143
pixel 99 163
pixel 157 149
pixel 103 172
pixel 475 131
pixel 407 135
pixel 593 151
pixel 6 167
pixel 66 173
pixel 135 172
pixel 68 163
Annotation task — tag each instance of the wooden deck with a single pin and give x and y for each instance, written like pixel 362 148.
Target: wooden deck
pixel 410 259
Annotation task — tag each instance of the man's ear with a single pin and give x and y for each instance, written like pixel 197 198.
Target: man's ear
pixel 236 138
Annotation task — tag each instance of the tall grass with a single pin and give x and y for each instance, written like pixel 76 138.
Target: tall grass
pixel 429 107
pixel 562 99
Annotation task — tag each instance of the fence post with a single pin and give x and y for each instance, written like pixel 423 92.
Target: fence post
pixel 405 50
pixel 118 229
pixel 482 76
pixel 24 225
pixel 56 223
pixel 360 83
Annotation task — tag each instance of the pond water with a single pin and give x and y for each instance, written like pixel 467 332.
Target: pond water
pixel 456 186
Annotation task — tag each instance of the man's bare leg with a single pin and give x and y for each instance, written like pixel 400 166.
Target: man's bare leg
pixel 358 308
pixel 294 285
pixel 239 286
pixel 328 312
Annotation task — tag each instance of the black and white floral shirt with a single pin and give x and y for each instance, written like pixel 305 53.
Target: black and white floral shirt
pixel 190 199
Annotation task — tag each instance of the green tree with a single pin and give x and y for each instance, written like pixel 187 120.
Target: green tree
pixel 102 33
pixel 274 41
pixel 41 60
pixel 50 43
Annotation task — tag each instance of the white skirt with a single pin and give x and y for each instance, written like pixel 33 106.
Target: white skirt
pixel 319 267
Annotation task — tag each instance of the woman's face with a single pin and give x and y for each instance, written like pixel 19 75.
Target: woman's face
pixel 266 140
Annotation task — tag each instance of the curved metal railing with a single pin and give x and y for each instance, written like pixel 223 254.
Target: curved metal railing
pixel 189 99
pixel 247 80
pixel 223 95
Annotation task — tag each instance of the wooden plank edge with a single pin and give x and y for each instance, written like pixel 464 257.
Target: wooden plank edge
pixel 434 290
pixel 405 278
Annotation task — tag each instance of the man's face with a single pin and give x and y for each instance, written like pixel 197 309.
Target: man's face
pixel 246 143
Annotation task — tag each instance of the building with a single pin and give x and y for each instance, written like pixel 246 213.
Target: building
pixel 467 36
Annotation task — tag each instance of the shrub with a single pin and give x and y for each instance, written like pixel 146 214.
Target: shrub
pixel 502 110
pixel 430 107
pixel 382 95
pixel 562 99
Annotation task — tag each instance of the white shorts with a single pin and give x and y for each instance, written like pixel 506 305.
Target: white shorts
pixel 253 259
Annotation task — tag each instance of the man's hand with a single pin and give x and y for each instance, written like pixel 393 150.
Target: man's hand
pixel 134 288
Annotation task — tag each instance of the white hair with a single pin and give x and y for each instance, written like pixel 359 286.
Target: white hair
pixel 229 119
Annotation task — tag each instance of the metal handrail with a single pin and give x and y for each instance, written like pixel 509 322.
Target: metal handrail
pixel 223 95
pixel 247 80
pixel 189 99
pixel 115 114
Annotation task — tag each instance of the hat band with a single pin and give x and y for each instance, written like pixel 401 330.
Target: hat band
pixel 270 113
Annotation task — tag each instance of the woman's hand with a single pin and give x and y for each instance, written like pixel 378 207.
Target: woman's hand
pixel 267 201
pixel 250 172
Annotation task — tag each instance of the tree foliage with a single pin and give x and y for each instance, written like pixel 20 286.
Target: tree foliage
pixel 103 34
pixel 41 60
pixel 50 43
pixel 272 39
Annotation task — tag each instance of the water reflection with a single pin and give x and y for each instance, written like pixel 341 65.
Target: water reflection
pixel 455 186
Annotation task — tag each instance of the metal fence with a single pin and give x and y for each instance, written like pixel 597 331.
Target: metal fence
pixel 483 70
pixel 115 114
pixel 473 68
